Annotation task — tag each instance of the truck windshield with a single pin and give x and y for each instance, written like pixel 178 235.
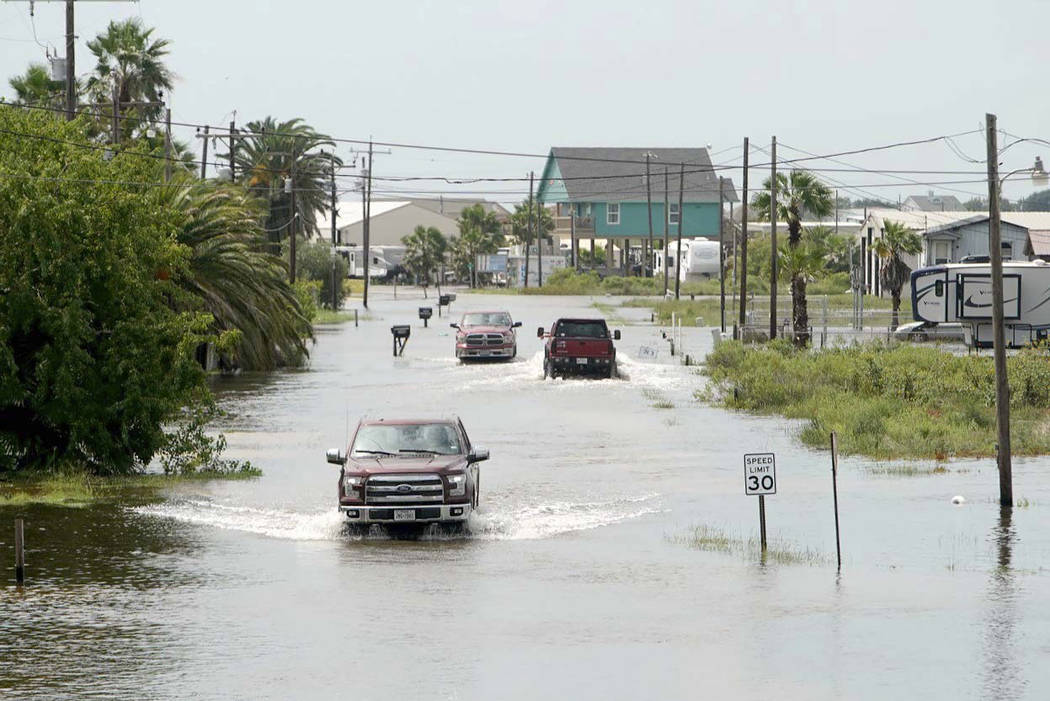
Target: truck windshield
pixel 581 329
pixel 378 439
pixel 486 319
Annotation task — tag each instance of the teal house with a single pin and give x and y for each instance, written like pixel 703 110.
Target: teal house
pixel 601 193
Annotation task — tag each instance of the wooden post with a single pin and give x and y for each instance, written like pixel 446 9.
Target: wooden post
pixel 743 245
pixel 835 493
pixel 1002 387
pixel 773 242
pixel 648 252
pixel 681 224
pixel 667 225
pixel 762 520
pixel 721 254
pixel 204 152
pixel 355 316
pixel 20 552
pixel 528 236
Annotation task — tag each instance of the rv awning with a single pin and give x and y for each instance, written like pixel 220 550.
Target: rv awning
pixel 1039 243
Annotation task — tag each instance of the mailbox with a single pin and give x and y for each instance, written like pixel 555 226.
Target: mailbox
pixel 426 312
pixel 400 332
pixel 444 300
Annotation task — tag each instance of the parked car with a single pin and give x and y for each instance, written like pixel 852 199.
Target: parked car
pixel 482 335
pixel 579 347
pixel 930 331
pixel 409 472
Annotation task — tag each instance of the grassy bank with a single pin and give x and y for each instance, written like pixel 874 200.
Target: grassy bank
pixel 886 403
pixel 716 540
pixel 708 309
pixel 76 488
pixel 569 282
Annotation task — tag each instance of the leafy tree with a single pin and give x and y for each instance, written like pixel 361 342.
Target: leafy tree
pixel 424 251
pixel 542 224
pixel 265 160
pixel 801 263
pixel 797 192
pixel 596 260
pixel 894 273
pixel 130 67
pixel 315 261
pixel 230 273
pixel 96 348
pixel 835 247
pixel 35 88
pixel 479 233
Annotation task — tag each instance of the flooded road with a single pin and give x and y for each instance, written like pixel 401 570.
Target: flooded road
pixel 577 579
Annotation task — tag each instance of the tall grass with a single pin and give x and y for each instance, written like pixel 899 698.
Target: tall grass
pixel 887 402
pixel 708 309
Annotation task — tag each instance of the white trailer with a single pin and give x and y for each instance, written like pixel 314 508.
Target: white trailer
pixel 699 259
pixel 385 260
pixel 962 293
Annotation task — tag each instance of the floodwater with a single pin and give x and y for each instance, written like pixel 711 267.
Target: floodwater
pixel 575 579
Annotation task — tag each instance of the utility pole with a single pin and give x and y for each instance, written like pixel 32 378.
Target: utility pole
pixel 649 204
pixel 233 150
pixel 332 204
pixel 204 151
pixel 667 225
pixel 292 220
pixel 539 244
pixel 721 253
pixel 71 71
pixel 773 243
pixel 743 245
pixel 1002 387
pixel 681 225
pixel 528 236
pixel 115 136
pixel 167 143
pixel 367 194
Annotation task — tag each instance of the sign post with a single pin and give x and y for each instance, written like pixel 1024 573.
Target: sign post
pixel 760 479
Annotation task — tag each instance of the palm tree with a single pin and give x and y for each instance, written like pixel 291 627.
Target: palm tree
pixel 130 68
pixel 35 88
pixel 896 240
pixel 266 159
pixel 479 232
pixel 798 193
pixel 542 221
pixel 232 276
pixel 424 251
pixel 802 263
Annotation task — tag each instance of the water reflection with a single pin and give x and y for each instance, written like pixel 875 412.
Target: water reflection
pixel 1003 676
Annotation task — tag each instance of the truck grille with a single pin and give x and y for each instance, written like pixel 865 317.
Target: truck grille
pixel 408 490
pixel 485 339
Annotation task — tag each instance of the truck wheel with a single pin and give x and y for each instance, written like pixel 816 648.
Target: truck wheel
pixel 548 371
pixel 477 491
pixel 613 371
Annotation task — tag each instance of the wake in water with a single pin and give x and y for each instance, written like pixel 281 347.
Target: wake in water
pixel 521 523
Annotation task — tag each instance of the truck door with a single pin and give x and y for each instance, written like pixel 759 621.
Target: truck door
pixel 929 294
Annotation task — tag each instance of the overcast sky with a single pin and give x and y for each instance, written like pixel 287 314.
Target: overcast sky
pixel 824 76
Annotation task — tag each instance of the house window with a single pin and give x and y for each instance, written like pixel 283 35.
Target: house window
pixel 941 252
pixel 673 214
pixel 1007 250
pixel 612 213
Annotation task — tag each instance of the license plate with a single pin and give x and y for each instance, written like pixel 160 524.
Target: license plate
pixel 581 361
pixel 404 514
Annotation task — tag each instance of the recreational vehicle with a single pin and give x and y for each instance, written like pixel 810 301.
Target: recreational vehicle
pixel 385 262
pixel 699 259
pixel 962 292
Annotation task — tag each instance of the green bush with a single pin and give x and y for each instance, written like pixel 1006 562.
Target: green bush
pixel 887 402
pixel 313 261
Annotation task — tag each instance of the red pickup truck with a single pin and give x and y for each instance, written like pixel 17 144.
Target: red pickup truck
pixel 579 347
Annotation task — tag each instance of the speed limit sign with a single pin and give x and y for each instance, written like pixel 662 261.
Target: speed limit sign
pixel 760 474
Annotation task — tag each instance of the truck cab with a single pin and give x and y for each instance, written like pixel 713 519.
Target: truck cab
pixel 579 347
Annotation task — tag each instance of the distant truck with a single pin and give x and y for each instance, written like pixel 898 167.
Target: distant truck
pixel 486 336
pixel 579 347
pixel 409 473
pixel 962 292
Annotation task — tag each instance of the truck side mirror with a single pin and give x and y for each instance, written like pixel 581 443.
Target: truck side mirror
pixel 335 456
pixel 515 325
pixel 616 334
pixel 539 332
pixel 478 455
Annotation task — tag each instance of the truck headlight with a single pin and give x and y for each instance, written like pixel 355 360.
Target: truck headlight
pixel 457 485
pixel 508 336
pixel 351 483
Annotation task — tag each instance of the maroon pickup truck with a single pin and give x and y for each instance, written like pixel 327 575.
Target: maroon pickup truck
pixel 579 347
pixel 409 473
pixel 486 335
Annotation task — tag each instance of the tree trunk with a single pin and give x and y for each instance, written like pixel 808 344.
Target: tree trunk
pixel 799 312
pixel 895 294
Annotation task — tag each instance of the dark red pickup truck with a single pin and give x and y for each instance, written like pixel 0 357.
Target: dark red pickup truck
pixel 579 347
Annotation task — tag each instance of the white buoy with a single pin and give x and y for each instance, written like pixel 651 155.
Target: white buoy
pixel 958 499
